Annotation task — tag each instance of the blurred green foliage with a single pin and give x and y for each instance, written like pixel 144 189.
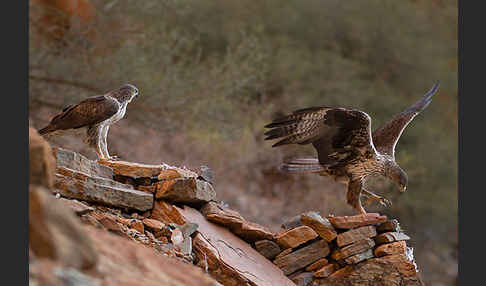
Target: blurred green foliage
pixel 218 70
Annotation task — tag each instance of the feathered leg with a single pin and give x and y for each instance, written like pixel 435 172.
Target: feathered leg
pixel 353 195
pixel 374 197
pixel 93 138
pixel 104 143
pixel 103 139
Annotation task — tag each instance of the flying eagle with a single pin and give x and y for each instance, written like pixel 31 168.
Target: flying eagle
pixel 95 113
pixel 347 149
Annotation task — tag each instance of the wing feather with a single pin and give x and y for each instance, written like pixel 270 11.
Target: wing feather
pixel 386 137
pixel 331 130
pixel 90 111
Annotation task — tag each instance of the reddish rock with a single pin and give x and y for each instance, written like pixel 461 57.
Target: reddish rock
pixel 153 224
pixel 388 270
pixel 348 222
pixel 320 225
pixel 42 163
pixel 148 189
pixel 229 259
pixel 167 213
pixel 128 263
pixel 109 222
pixel 388 237
pixel 267 248
pixel 295 237
pixel 78 207
pixel 283 253
pixel 389 225
pixel 302 279
pixel 48 272
pixel 318 264
pixel 405 266
pixel 90 220
pixel 359 257
pixel 252 232
pixel 134 170
pixel 124 221
pixel 398 247
pixel 166 231
pixel 137 170
pixel 185 190
pixel 338 275
pixel 137 225
pixel 355 234
pixel 302 257
pixel 231 219
pixel 216 213
pixel 56 234
pixel 168 174
pixel 325 271
pixel 352 249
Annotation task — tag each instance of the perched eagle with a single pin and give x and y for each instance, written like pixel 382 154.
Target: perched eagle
pixel 347 149
pixel 95 113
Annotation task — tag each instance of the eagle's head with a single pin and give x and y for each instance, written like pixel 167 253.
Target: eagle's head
pixel 397 175
pixel 125 93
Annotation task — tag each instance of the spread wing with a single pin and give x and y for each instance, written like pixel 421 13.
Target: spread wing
pixel 338 134
pixel 90 111
pixel 386 137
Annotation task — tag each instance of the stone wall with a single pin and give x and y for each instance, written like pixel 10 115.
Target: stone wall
pixel 175 212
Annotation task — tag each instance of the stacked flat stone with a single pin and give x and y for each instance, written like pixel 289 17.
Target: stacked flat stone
pixel 313 247
pixel 123 195
pixel 168 183
pixel 174 211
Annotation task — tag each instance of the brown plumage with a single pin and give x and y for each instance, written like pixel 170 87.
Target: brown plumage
pixel 96 113
pixel 347 150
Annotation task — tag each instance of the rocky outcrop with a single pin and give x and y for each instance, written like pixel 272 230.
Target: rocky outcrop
pixel 41 161
pixel 56 234
pixel 123 223
pixel 75 242
pixel 354 250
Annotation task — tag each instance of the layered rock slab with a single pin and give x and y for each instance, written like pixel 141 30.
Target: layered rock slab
pixel 228 258
pixel 91 191
pixel 249 231
pixel 185 190
pixel 41 161
pixel 303 256
pixel 295 237
pixel 388 270
pixel 77 162
pixel 320 225
pixel 348 222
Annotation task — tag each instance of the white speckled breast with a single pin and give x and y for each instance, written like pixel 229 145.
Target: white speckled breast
pixel 119 115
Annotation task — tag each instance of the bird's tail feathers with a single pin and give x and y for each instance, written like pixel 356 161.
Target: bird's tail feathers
pixel 298 127
pixel 302 165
